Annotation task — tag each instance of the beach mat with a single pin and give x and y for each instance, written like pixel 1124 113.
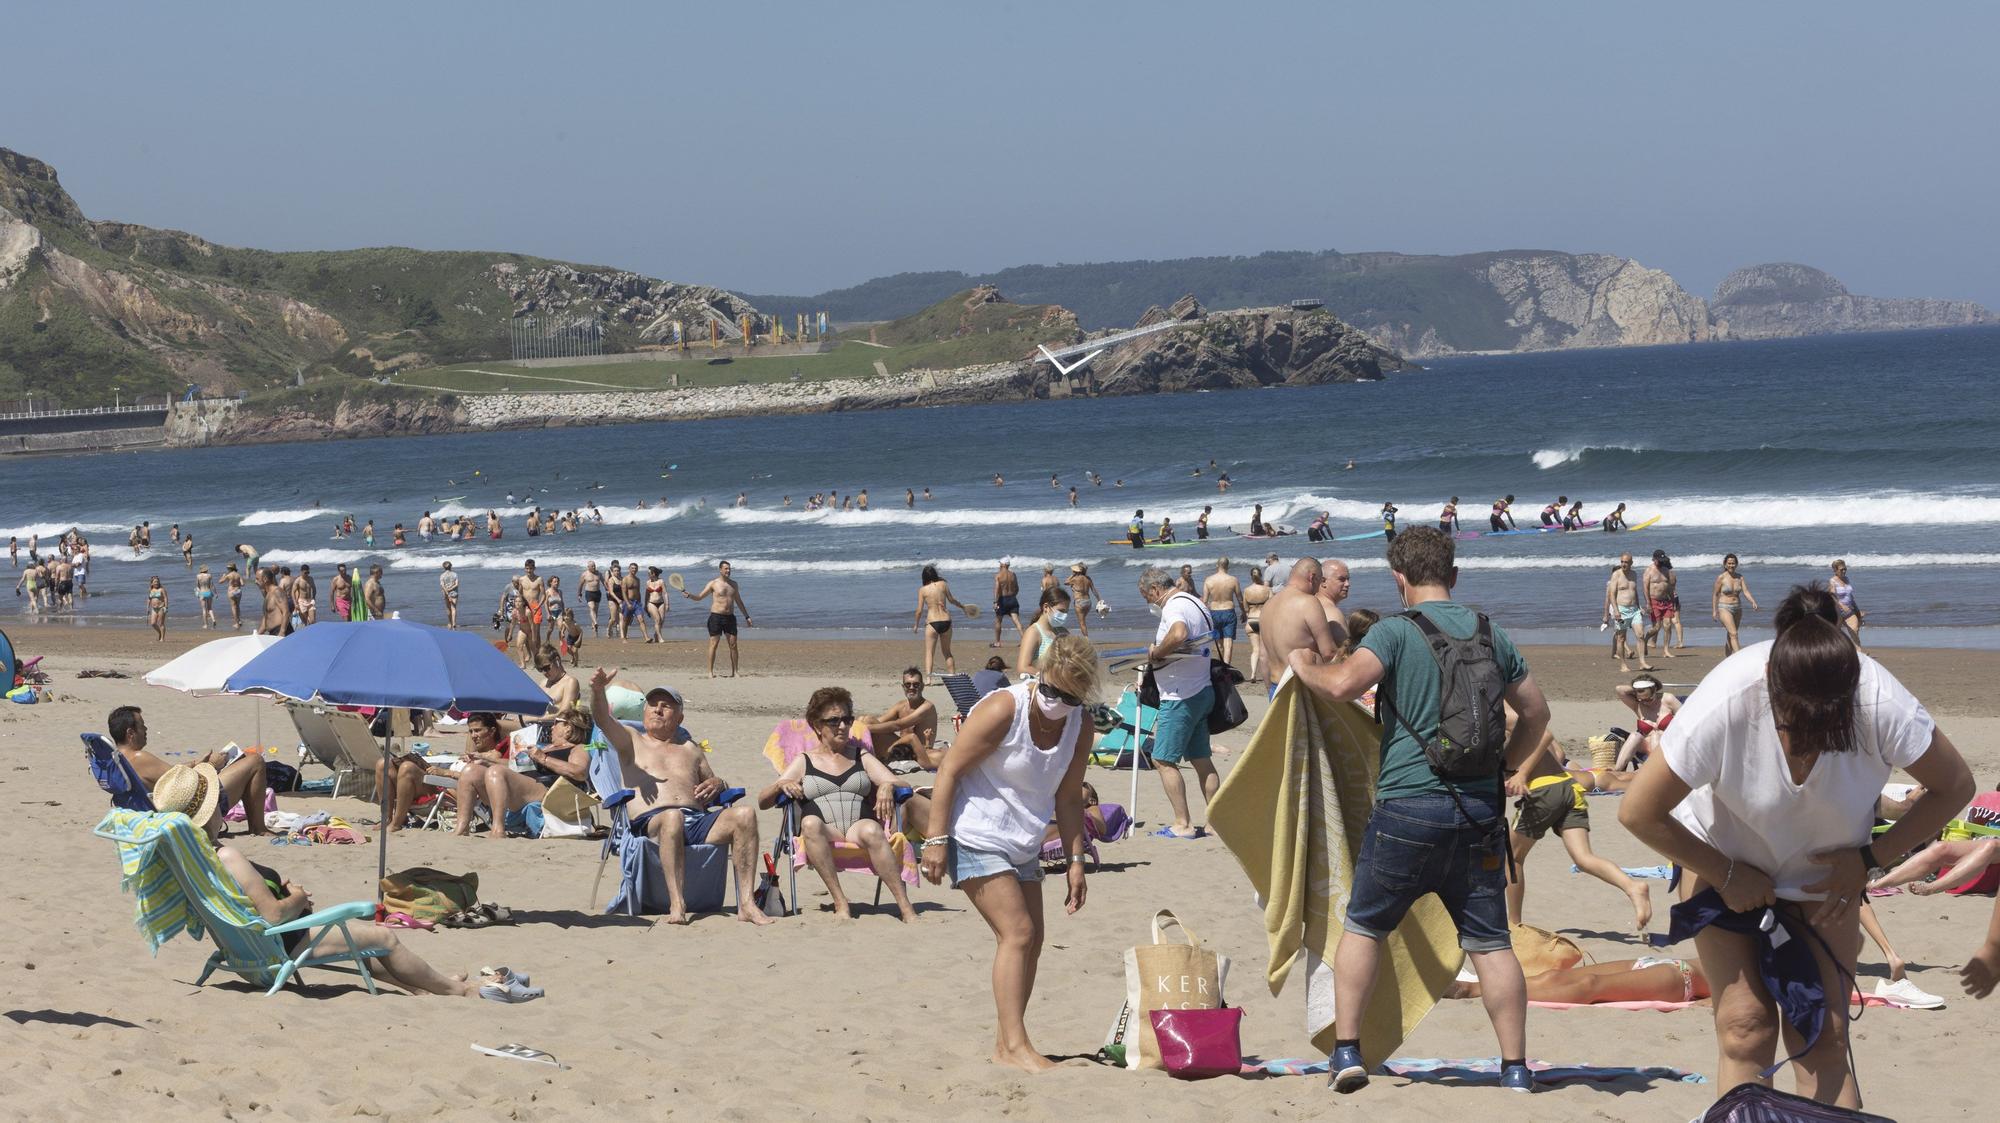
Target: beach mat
pixel 1480 1071
pixel 1855 999
pixel 1292 812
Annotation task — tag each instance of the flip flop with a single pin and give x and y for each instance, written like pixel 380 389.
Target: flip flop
pixel 467 918
pixel 1168 832
pixel 498 974
pixel 405 920
pixel 513 990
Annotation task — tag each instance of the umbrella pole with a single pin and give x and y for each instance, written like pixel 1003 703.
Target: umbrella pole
pixel 1138 740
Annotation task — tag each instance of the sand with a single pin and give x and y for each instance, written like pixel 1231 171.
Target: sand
pixel 812 1016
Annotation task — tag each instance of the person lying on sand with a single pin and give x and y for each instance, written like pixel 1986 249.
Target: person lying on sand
pixel 1646 979
pixel 195 791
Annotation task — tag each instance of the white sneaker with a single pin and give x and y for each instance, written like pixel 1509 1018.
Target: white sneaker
pixel 1907 994
pixel 1466 974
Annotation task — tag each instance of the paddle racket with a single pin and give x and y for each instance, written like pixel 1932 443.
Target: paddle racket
pixel 674 582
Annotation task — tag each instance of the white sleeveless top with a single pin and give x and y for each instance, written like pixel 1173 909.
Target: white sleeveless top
pixel 1006 802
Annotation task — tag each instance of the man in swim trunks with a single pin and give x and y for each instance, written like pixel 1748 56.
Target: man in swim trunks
pixel 305 595
pixel 591 584
pixel 724 599
pixel 676 790
pixel 1006 598
pixel 1295 618
pixel 527 588
pixel 1659 583
pixel 374 596
pixel 1222 595
pixel 448 584
pixel 1621 612
pixel 1502 517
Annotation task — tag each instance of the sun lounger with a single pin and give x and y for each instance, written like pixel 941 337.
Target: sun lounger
pixel 181 886
pixel 323 742
pixel 115 774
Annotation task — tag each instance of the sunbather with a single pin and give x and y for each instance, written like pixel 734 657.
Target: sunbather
pixel 1653 709
pixel 1646 979
pixel 846 794
pixel 195 790
pixel 908 729
pixel 491 778
pixel 242 779
pixel 1962 862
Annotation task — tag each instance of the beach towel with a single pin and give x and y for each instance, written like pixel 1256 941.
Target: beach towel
pixel 1855 998
pixel 1482 1071
pixel 1292 812
pixel 161 910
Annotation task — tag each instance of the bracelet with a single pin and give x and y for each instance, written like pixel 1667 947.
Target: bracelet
pixel 1075 858
pixel 1727 876
pixel 938 840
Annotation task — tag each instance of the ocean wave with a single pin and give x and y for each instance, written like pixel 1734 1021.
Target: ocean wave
pixel 453 510
pixel 52 531
pixel 1773 512
pixel 266 518
pixel 628 516
pixel 314 557
pixel 1556 457
pixel 545 564
pixel 1235 512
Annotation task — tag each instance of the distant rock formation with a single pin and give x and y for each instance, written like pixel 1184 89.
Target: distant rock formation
pixel 1783 299
pixel 1238 350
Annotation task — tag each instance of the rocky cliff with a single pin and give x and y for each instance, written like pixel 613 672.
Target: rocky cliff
pixel 1783 299
pixel 93 309
pixel 1237 350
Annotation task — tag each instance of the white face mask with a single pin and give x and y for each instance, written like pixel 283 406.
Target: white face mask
pixel 1152 608
pixel 1059 618
pixel 1053 709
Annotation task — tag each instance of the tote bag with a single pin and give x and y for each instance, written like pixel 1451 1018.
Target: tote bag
pixel 1163 975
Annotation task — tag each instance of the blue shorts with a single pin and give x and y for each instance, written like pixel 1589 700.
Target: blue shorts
pixel 694 823
pixel 1422 844
pixel 1225 622
pixel 967 863
pixel 1182 731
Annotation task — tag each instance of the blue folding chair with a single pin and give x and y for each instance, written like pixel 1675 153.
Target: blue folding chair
pixel 115 774
pixel 642 882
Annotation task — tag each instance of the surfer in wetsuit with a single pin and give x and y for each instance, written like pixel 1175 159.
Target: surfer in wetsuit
pixel 1135 532
pixel 1615 520
pixel 1552 514
pixel 1501 518
pixel 1573 519
pixel 1448 518
pixel 1257 528
pixel 1201 524
pixel 1389 521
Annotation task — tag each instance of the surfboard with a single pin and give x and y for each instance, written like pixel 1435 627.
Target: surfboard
pixel 1155 544
pixel 1359 537
pixel 450 499
pixel 1283 532
pixel 1643 525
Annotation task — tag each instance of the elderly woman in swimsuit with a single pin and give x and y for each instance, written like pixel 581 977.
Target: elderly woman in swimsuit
pixel 1851 615
pixel 845 794
pixel 1726 602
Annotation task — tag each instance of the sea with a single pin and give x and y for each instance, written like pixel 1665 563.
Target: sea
pixel 1882 449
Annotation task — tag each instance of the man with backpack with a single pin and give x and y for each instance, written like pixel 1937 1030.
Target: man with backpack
pixel 1438 825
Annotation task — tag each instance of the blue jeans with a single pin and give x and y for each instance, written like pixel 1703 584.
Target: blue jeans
pixel 1422 844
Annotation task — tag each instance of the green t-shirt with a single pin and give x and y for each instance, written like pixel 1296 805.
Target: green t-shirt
pixel 1408 665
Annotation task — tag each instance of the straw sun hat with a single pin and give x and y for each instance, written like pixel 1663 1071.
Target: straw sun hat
pixel 192 790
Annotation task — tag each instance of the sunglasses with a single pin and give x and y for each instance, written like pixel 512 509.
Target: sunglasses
pixel 1055 695
pixel 837 719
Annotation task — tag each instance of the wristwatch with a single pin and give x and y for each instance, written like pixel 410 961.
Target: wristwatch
pixel 1875 869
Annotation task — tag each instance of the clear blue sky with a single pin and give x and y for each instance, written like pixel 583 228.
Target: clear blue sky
pixel 791 148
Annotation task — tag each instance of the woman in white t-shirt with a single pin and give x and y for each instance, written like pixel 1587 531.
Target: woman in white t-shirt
pixel 1017 763
pixel 1764 789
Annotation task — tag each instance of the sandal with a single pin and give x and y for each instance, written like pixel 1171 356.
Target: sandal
pixel 500 975
pixel 494 914
pixel 513 990
pixel 467 918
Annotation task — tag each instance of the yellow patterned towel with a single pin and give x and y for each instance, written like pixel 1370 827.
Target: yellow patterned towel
pixel 1292 811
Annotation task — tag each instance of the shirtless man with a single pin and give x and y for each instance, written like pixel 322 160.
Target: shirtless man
pixel 374 595
pixel 1548 799
pixel 448 585
pixel 724 598
pixel 425 525
pixel 305 595
pixel 242 779
pixel 1334 585
pixel 1621 613
pixel 591 585
pixel 1083 593
pixel 1006 599
pixel 275 620
pixel 628 600
pixel 1222 595
pixel 675 789
pixel 1296 619
pixel 1659 584
pixel 908 729
pixel 528 610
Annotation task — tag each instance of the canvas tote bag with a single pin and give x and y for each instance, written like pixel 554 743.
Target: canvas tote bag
pixel 1163 975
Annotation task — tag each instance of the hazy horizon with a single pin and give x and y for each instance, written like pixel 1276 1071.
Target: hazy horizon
pixel 779 154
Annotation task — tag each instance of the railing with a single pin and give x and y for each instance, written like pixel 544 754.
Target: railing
pixel 105 411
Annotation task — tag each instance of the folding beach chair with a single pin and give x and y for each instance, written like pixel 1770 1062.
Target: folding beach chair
pixel 786 742
pixel 180 886
pixel 642 884
pixel 964 695
pixel 115 774
pixel 322 742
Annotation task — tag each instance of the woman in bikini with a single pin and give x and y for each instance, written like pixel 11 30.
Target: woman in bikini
pixel 1255 595
pixel 934 615
pixel 156 608
pixel 1851 615
pixel 845 795
pixel 656 605
pixel 1645 979
pixel 1653 708
pixel 1731 590
pixel 204 591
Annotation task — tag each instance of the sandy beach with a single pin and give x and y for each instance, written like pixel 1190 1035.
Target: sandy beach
pixel 812 1016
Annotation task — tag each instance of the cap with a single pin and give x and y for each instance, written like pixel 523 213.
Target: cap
pixel 669 691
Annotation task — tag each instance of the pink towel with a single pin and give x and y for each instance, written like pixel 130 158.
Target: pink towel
pixel 1854 1000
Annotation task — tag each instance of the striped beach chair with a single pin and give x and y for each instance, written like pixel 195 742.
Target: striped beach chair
pixel 180 887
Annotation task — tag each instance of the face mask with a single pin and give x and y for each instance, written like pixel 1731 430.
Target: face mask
pixel 1153 608
pixel 1053 709
pixel 1059 618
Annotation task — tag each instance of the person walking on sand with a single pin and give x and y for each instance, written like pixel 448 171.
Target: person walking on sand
pixel 1659 585
pixel 591 585
pixel 1082 594
pixel 1621 613
pixel 204 592
pixel 1222 594
pixel 1726 603
pixel 933 620
pixel 1851 615
pixel 156 609
pixel 724 598
pixel 448 584
pixel 1439 824
pixel 1764 792
pixel 1016 765
pixel 1178 658
pixel 1006 599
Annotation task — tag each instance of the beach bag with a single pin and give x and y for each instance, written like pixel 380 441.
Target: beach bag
pixel 1163 976
pixel 770 898
pixel 1541 950
pixel 1603 753
pixel 429 894
pixel 1198 1044
pixel 1754 1103
pixel 281 777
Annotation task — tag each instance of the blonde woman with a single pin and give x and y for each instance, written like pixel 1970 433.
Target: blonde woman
pixel 1017 764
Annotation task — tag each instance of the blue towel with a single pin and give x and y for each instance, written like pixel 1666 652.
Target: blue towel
pixel 1433 1068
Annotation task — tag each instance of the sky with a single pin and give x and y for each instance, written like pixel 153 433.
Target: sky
pixel 792 148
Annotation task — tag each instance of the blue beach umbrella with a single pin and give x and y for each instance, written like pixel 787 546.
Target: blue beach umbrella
pixel 394 663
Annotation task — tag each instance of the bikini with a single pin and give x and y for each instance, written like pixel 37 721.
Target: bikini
pixel 1687 975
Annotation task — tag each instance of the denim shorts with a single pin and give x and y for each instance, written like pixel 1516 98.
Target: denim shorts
pixel 1422 844
pixel 967 863
pixel 1181 730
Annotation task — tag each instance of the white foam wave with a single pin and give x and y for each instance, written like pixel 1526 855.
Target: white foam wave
pixel 1112 518
pixel 1784 511
pixel 629 516
pixel 1547 458
pixel 314 557
pixel 544 563
pixel 266 518
pixel 51 531
pixel 453 510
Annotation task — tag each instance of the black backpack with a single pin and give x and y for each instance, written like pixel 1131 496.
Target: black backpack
pixel 1470 741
